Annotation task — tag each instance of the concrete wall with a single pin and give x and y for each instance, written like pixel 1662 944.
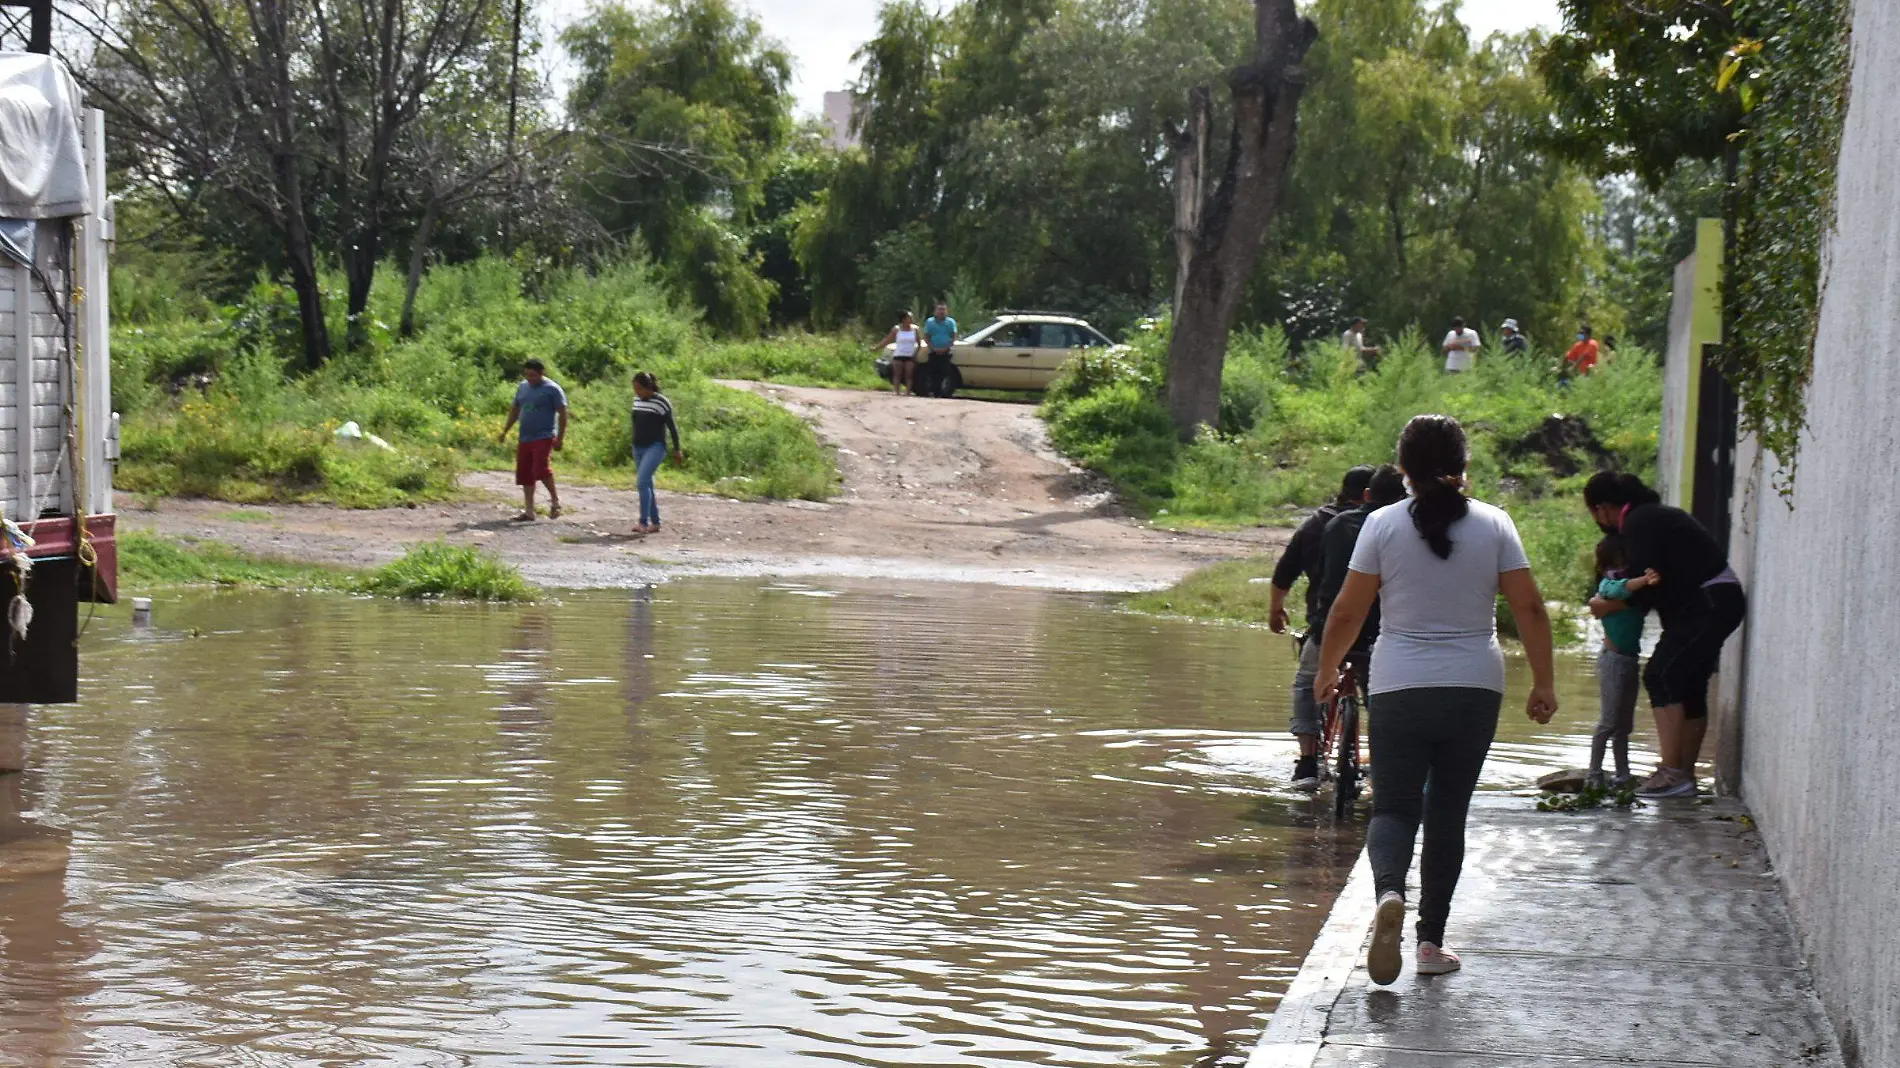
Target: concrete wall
pixel 1821 683
pixel 841 108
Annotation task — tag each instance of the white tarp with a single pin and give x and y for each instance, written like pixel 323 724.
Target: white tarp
pixel 42 167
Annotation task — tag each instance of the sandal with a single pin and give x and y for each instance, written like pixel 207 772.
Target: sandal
pixel 554 512
pixel 523 517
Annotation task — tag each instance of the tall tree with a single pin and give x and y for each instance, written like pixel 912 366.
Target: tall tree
pixel 683 109
pixel 1633 82
pixel 1234 223
pixel 291 110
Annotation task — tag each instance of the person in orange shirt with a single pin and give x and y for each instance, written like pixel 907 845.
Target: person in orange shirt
pixel 1582 357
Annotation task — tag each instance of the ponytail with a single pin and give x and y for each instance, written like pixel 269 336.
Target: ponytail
pixel 647 379
pixel 1433 453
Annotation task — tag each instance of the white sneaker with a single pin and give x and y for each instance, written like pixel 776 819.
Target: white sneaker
pixel 1384 959
pixel 1436 960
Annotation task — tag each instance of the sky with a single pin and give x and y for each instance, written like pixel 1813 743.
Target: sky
pixel 822 34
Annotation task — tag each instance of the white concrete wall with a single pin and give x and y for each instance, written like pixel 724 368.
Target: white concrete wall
pixel 1821 691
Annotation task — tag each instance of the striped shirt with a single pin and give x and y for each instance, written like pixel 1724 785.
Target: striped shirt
pixel 653 420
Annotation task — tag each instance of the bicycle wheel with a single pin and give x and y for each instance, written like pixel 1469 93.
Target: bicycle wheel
pixel 1346 779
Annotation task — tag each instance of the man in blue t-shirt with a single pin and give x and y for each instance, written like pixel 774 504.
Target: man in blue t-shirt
pixel 940 334
pixel 541 407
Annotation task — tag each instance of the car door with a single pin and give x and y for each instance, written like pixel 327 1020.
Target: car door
pixel 1060 341
pixel 1005 359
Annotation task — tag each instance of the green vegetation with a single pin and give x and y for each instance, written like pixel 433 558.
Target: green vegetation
pixel 1664 89
pixel 1235 590
pixel 1591 796
pixel 214 407
pixel 1021 154
pixel 1791 79
pixel 1291 426
pixel 148 561
pixel 442 570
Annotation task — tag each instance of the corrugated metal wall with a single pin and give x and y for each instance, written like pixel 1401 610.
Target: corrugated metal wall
pixel 35 383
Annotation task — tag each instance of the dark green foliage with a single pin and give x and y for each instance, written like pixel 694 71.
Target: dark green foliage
pixel 684 111
pixel 1633 82
pixel 1786 209
pixel 1297 425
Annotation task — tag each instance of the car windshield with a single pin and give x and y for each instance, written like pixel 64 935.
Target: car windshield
pixel 982 330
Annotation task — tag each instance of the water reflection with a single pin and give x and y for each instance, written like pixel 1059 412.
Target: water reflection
pixel 703 824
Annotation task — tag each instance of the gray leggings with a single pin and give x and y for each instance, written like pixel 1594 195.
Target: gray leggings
pixel 1428 746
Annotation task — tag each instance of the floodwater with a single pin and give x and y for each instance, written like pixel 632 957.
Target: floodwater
pixel 712 823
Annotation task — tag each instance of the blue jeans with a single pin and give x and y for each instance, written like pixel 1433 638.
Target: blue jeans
pixel 647 460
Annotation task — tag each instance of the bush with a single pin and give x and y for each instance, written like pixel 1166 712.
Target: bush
pixel 1290 430
pixel 438 569
pixel 215 404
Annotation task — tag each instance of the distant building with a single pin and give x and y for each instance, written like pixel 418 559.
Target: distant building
pixel 841 109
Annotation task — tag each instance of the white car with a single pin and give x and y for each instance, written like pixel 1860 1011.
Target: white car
pixel 1016 350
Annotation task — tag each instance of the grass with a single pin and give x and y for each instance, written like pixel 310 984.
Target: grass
pixel 151 561
pixel 215 403
pixel 442 570
pixel 1291 424
pixel 1225 590
pixel 434 570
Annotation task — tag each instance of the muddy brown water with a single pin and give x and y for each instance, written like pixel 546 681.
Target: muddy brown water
pixel 709 823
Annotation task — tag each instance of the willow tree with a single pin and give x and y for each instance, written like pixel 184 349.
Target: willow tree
pixel 1222 238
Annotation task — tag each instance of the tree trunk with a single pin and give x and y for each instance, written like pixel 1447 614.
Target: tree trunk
pixel 1235 220
pixel 417 254
pixel 272 37
pixel 1190 183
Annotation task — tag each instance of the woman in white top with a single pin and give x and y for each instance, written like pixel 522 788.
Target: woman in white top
pixel 905 340
pixel 1437 563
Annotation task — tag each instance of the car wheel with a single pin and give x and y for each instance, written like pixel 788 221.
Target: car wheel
pixel 952 381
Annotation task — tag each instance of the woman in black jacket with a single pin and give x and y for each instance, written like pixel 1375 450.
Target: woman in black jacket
pixel 1699 602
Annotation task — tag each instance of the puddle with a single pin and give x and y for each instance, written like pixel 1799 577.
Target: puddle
pixel 713 823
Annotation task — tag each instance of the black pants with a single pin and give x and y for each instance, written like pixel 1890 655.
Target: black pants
pixel 1690 648
pixel 1428 746
pixel 932 372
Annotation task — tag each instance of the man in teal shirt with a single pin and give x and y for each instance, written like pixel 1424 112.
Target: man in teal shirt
pixel 940 334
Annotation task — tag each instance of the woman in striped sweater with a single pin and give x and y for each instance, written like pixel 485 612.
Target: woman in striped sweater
pixel 652 422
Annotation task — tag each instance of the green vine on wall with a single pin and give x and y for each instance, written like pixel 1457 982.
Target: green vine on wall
pixel 1793 82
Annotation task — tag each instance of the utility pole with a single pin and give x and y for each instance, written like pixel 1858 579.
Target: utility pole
pixel 30 21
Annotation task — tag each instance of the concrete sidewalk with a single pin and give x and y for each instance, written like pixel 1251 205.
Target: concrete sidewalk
pixel 1657 937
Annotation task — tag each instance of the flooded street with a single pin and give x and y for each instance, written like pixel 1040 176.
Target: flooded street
pixel 713 823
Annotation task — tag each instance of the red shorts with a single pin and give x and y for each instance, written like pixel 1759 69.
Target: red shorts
pixel 531 462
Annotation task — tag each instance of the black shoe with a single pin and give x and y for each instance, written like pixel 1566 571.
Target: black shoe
pixel 1306 774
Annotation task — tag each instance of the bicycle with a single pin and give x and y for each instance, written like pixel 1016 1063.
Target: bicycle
pixel 1342 730
pixel 1339 761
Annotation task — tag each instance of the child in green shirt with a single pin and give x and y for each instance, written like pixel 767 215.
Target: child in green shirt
pixel 1619 664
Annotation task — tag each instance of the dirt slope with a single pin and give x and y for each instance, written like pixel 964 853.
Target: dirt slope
pixel 955 490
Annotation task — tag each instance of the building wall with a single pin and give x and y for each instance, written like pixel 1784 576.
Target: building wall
pixel 1821 678
pixel 840 109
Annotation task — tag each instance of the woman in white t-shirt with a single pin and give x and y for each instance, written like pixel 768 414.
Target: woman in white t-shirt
pixel 904 340
pixel 1436 563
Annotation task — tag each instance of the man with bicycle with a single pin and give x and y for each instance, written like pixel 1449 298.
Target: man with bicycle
pixel 1336 545
pixel 1304 556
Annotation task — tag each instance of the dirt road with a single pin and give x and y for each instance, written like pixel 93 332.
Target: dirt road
pixel 950 490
